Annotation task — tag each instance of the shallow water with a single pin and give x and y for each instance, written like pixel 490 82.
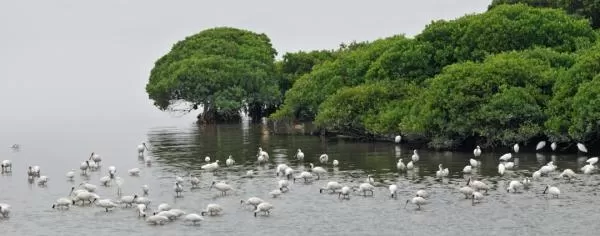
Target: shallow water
pixel 180 150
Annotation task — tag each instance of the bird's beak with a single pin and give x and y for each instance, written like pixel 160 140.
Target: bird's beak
pixel 406 204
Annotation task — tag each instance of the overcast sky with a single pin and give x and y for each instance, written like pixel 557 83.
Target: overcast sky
pixel 70 61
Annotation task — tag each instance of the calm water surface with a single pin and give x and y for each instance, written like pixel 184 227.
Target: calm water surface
pixel 180 150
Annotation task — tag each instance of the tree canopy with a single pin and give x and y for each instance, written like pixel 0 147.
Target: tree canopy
pixel 514 74
pixel 223 70
pixel 588 9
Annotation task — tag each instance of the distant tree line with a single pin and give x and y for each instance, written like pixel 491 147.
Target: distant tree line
pixel 515 73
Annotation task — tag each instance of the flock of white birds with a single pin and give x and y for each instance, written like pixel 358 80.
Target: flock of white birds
pixel 85 193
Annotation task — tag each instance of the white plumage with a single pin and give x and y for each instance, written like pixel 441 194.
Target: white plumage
pixel 554 191
pixel 516 147
pixel 581 147
pixel 299 155
pixel 263 207
pixel 323 158
pixel 397 139
pixel 223 187
pixel 194 218
pixel 229 161
pixel 417 201
pixel 477 151
pixel 506 157
pixel 331 186
pixel 540 145
pixel 212 209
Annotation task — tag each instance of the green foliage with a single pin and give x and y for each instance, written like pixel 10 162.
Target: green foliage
pixel 224 70
pixel 407 59
pixel 505 28
pixel 498 99
pixel 348 69
pixel 585 125
pixel 561 108
pixel 350 108
pixel 589 9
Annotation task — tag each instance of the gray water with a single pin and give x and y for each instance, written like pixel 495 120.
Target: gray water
pixel 180 150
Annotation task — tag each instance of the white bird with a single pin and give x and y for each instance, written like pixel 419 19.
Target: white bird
pixel 112 170
pixel 105 180
pixel 410 165
pixel 89 187
pixel 540 145
pixel 526 182
pixel 84 196
pixel 467 169
pixel 317 170
pixel 506 157
pixel 4 210
pixel 223 187
pixel 393 190
pixel 323 158
pixel 509 165
pixel 422 193
pixel 467 191
pixel 178 189
pixel 514 185
pixel 304 175
pixel 588 169
pixel 212 209
pixel 567 173
pixel 516 147
pixel 263 207
pixel 592 161
pixel 331 186
pixel 477 196
pixel 554 191
pixel 477 151
pixel 336 163
pixel 170 215
pixel 288 172
pixel 478 185
pixel 177 212
pixel 366 187
pixel 43 180
pixel 281 169
pixel 474 163
pixel 71 174
pixel 129 200
pixel 283 183
pixel 536 175
pixel 370 179
pixel 299 155
pixel 400 165
pixel 229 161
pixel 62 202
pixel 157 219
pixel 501 169
pixel 263 153
pixel 106 204
pixel 145 189
pixel 344 191
pixel 207 159
pixel 92 166
pixel 398 139
pixel 442 172
pixel 141 210
pixel 141 148
pixel 211 167
pixel 95 158
pixel 194 218
pixel 417 201
pixel 134 171
pixel 275 193
pixel 553 146
pixel 253 201
pixel 163 207
pixel 581 147
pixel 415 156
pixel 195 181
pixel 84 167
pixel 6 166
pixel 143 200
pixel 179 179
